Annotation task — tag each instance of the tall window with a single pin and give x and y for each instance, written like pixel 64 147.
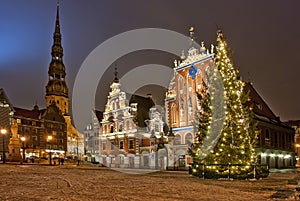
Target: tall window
pixel 267 138
pixel 173 113
pixel 121 144
pixel 190 106
pixel 131 144
pixel 181 109
pixel 104 146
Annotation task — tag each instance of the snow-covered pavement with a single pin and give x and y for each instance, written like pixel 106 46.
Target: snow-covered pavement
pixel 84 182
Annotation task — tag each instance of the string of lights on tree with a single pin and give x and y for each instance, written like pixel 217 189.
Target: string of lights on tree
pixel 235 146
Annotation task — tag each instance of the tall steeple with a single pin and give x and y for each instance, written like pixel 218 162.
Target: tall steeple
pixel 56 89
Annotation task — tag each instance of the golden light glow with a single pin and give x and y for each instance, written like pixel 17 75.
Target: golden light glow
pixel 3 131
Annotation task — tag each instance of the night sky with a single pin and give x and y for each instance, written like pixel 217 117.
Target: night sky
pixel 263 35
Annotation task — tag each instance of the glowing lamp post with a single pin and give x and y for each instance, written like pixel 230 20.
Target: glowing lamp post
pixel 3 132
pixel 78 161
pixel 23 147
pixel 49 138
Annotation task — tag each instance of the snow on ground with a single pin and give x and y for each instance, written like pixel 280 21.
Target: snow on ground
pixel 85 182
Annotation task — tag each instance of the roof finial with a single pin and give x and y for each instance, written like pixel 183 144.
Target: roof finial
pixel 116 80
pixel 192 34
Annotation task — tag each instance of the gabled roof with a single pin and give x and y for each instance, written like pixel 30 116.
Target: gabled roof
pixel 99 115
pixel 260 107
pixel 32 114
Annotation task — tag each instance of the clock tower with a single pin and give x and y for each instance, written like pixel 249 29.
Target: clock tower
pixel 56 89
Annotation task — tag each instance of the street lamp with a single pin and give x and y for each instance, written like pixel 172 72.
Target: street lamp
pixel 77 150
pixel 49 138
pixel 23 147
pixel 3 132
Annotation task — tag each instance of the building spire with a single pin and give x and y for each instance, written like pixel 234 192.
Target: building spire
pixel 56 89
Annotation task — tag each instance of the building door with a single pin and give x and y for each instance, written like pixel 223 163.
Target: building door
pixel 104 161
pixel 268 160
pixel 146 161
pixel 131 162
pixel 182 161
pixel 276 162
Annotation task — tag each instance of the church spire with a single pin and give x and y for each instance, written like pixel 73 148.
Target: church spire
pixel 57 50
pixel 56 89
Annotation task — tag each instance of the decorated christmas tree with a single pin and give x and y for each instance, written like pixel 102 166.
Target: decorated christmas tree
pixel 233 155
pixel 203 122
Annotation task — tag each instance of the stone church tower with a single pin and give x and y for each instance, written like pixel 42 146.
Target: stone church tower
pixel 57 90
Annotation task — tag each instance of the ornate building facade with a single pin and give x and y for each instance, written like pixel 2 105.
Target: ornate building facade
pixel 275 140
pixel 181 103
pixel 125 130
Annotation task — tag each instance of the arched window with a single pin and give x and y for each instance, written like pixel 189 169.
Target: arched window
pixel 173 113
pixel 190 106
pixel 189 139
pixel 181 109
pixel 111 128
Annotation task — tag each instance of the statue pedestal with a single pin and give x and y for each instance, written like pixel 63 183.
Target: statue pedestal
pixel 14 145
pixel 14 150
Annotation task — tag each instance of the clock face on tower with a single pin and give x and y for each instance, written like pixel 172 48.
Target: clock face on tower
pixel 57 87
